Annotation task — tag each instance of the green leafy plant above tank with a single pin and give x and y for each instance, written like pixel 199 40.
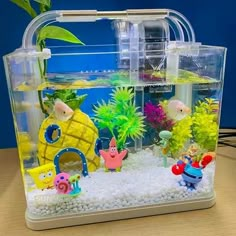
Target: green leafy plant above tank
pixel 34 8
pixel 48 31
pixel 120 116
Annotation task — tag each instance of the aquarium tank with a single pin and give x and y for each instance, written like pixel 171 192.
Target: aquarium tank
pixel 115 131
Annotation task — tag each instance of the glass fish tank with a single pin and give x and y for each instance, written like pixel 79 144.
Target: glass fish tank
pixel 115 131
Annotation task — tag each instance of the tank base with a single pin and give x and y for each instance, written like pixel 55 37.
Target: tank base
pixel 127 213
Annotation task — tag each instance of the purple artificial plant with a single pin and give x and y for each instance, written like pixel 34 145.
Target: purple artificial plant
pixel 156 117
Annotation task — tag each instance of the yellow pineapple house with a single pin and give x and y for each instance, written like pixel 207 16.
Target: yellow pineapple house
pixel 73 141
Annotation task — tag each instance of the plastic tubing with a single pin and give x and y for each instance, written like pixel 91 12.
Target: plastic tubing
pixel 185 24
pixel 35 25
pixel 177 21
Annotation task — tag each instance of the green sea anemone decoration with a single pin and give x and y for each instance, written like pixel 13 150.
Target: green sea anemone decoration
pixel 205 127
pixel 181 133
pixel 120 116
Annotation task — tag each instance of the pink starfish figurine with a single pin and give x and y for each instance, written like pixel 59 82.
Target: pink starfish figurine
pixel 113 159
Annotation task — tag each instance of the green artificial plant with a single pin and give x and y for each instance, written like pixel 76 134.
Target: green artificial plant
pixel 181 133
pixel 120 116
pixel 200 127
pixel 205 127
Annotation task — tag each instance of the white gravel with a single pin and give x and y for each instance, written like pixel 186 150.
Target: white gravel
pixel 142 181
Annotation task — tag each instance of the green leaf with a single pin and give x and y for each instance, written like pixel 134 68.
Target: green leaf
pixel 49 96
pixel 48 103
pixel 81 98
pixel 67 96
pixel 122 118
pixel 25 5
pixel 122 95
pixel 71 96
pixel 76 102
pixel 44 5
pixel 55 32
pixel 44 2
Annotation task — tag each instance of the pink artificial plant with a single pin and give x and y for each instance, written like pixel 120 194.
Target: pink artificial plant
pixel 157 118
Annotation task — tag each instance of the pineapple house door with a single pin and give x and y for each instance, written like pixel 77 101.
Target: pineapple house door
pixel 66 152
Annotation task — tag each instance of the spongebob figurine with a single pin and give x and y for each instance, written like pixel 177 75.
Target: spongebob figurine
pixel 43 176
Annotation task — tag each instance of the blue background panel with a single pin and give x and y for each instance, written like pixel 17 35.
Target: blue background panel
pixel 213 21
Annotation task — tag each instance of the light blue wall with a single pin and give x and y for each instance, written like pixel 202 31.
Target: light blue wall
pixel 213 20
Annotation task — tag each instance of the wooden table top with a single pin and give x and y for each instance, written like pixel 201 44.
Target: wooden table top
pixel 218 220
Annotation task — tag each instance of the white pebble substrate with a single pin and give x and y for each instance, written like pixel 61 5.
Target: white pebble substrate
pixel 142 181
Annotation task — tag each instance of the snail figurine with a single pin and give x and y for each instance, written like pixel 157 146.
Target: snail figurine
pixel 62 184
pixel 66 184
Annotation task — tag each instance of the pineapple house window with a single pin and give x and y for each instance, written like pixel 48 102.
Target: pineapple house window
pixel 52 133
pixel 98 146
